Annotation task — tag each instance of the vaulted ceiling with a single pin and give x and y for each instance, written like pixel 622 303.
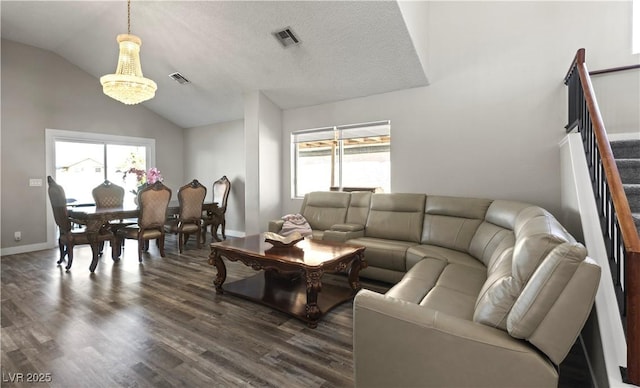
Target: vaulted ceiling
pixel 226 48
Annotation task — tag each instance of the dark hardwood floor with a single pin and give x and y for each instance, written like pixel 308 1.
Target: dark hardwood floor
pixel 161 324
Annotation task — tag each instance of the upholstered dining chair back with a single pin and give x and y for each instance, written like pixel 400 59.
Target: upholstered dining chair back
pixel 191 197
pixel 108 195
pixel 154 200
pixel 59 205
pixel 221 189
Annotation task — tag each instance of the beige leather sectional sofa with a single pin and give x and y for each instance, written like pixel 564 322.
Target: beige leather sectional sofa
pixel 486 292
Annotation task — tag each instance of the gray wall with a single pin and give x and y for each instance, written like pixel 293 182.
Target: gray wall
pixel 489 123
pixel 215 150
pixel 42 90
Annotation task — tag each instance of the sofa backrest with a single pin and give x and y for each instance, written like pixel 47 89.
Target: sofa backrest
pixel 554 305
pixel 358 210
pixel 396 216
pixel 322 209
pixel 515 257
pixel 451 222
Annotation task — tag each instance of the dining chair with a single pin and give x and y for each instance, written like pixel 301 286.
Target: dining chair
pixel 70 237
pixel 216 217
pixel 108 196
pixel 153 201
pixel 190 199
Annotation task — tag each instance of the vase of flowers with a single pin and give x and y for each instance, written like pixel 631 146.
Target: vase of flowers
pixel 143 179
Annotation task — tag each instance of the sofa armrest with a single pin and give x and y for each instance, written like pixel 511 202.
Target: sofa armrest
pixel 341 236
pixel 397 343
pixel 275 226
pixel 347 227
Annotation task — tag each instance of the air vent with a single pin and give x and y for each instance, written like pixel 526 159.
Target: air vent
pixel 286 37
pixel 179 78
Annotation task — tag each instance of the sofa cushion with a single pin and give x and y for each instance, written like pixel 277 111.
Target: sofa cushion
pixel 418 281
pixel 498 293
pixel 451 222
pixel 324 209
pixel 396 216
pixel 504 213
pixel 417 253
pixel 449 232
pixel 537 233
pixel 456 291
pixel 459 207
pixel 490 241
pixel 358 210
pixel 388 254
pixel 563 286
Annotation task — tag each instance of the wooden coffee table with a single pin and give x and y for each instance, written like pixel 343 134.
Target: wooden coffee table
pixel 290 279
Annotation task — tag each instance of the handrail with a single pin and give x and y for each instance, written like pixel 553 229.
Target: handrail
pixel 617 220
pixel 614 69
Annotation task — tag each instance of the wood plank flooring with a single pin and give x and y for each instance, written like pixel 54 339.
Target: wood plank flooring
pixel 161 324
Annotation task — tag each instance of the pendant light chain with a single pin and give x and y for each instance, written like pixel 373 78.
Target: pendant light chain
pixel 129 17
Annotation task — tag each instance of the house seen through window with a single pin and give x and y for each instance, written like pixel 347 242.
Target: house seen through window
pixel 344 156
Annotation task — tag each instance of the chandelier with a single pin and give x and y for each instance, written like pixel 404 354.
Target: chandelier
pixel 128 85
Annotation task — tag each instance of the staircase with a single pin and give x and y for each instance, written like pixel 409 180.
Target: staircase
pixel 627 155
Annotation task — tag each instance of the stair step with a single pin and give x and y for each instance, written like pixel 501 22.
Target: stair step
pixel 629 170
pixel 633 196
pixel 626 149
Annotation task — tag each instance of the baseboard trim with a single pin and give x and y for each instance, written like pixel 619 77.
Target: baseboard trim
pixel 235 233
pixel 25 249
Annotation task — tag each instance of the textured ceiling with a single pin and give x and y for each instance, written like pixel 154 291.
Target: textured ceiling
pixel 226 48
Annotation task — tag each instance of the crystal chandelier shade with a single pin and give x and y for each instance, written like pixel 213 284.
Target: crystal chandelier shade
pixel 128 85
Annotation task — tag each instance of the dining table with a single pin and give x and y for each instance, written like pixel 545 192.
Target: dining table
pixel 94 219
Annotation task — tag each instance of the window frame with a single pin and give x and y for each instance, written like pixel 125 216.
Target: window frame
pixel 53 135
pixel 337 131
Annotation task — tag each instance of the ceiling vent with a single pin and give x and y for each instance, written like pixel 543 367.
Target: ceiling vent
pixel 286 37
pixel 179 78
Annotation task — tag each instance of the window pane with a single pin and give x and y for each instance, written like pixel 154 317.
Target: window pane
pixel 121 158
pixel 79 168
pixel 360 155
pixel 313 167
pixel 366 162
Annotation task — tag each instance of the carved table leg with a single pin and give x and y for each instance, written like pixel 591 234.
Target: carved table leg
pixel 216 259
pixel 357 264
pixel 93 231
pixel 314 285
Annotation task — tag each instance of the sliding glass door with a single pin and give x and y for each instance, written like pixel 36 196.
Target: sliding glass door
pixel 80 161
pixel 81 166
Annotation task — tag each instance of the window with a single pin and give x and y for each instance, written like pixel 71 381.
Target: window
pixel 356 155
pixel 80 161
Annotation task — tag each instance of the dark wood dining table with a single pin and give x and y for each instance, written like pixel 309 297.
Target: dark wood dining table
pixel 94 219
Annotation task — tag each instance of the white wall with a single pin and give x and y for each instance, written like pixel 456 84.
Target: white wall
pixel 618 96
pixel 270 116
pixel 489 123
pixel 215 150
pixel 42 90
pixel 263 128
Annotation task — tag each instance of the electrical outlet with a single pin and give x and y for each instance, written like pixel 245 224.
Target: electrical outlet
pixel 17 236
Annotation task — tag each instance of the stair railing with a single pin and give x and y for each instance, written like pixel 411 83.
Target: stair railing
pixel 620 233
